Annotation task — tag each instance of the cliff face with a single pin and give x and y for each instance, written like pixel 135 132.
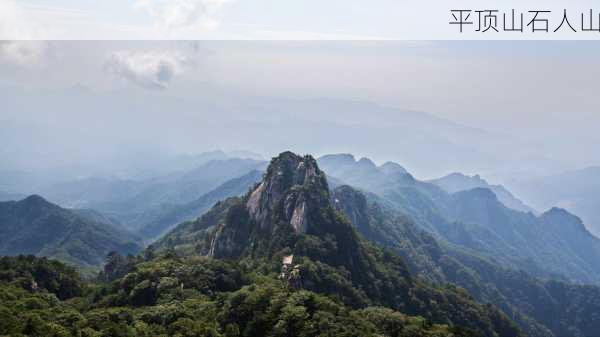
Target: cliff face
pixel 352 204
pixel 292 185
pixel 289 209
pixel 291 192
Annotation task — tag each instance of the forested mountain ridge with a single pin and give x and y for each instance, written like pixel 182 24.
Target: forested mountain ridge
pixel 477 220
pixel 193 296
pixel 540 307
pixel 556 241
pixel 289 212
pixel 36 226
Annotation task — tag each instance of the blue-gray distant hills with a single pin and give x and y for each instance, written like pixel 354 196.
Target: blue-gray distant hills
pixel 577 191
pixel 138 204
pixel 159 222
pixel 477 220
pixel 149 207
pixel 457 182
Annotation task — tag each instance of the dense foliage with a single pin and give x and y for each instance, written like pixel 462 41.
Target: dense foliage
pixel 29 272
pixel 194 297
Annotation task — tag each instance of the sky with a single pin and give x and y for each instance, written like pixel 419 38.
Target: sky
pixel 264 19
pixel 495 108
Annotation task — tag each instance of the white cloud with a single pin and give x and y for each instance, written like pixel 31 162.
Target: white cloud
pixel 23 53
pixel 18 33
pixel 177 14
pixel 148 69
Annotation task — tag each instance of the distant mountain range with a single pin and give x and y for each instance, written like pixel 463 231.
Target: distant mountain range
pixel 133 202
pixel 159 222
pixel 150 207
pixel 82 238
pixel 533 303
pixel 457 182
pixel 477 220
pixel 577 191
pixel 144 165
pixel 462 210
pixel 360 172
pixel 423 142
pixel 538 270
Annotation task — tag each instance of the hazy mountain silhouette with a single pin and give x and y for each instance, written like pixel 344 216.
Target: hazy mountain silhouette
pixel 577 191
pixel 457 182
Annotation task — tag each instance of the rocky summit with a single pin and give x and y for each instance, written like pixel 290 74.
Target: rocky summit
pixel 292 185
pixel 292 191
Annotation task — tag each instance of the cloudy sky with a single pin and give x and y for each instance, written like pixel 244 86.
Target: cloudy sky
pixel 436 107
pixel 263 19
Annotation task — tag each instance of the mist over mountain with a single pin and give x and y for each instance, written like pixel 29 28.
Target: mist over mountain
pixel 577 191
pixel 361 172
pixel 456 182
pixel 150 206
pixel 131 201
pixel 158 223
pixel 149 188
pixel 124 164
pixel 277 123
pixel 6 196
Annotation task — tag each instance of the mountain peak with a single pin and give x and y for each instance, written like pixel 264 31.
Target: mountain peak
pixel 456 175
pixel 292 186
pixel 290 200
pixel 366 162
pixel 339 158
pixel 562 219
pixel 290 169
pixel 474 180
pixel 557 211
pixel 35 198
pixel 478 193
pixel 392 168
pixel 36 201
